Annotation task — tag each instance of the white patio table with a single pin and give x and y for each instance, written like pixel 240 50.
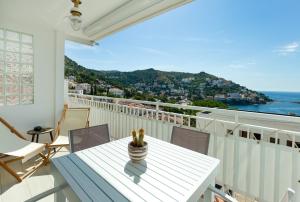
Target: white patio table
pixel 105 173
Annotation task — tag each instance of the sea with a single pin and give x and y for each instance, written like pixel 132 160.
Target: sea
pixel 284 103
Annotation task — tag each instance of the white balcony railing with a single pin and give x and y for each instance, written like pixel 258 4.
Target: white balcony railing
pixel 259 153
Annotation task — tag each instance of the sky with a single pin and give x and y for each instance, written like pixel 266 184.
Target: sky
pixel 254 43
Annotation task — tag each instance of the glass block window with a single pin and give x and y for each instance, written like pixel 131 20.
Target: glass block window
pixel 16 68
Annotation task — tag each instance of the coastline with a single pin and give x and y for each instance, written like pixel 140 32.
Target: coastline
pixel 284 103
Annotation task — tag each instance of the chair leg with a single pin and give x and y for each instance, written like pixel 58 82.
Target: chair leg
pixel 47 156
pixel 55 149
pixel 35 168
pixel 45 161
pixel 11 171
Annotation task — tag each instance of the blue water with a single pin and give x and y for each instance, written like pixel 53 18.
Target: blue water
pixel 283 104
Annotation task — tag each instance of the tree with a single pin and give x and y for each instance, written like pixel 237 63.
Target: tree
pixel 92 90
pixel 210 103
pixel 95 89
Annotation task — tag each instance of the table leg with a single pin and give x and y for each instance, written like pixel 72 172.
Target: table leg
pixel 65 192
pixel 51 136
pixel 58 181
pixel 37 138
pixel 32 138
pixel 209 196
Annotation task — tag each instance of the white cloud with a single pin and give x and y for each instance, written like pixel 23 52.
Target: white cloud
pixel 195 39
pixel 228 41
pixel 177 38
pixel 98 62
pixel 154 51
pixel 288 48
pixel 237 65
pixel 251 62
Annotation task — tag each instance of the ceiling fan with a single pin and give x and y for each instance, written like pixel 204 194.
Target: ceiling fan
pixel 75 17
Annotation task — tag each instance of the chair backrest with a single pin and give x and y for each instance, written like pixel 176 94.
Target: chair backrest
pixel 10 139
pixel 73 118
pixel 88 137
pixel 289 196
pixel 191 139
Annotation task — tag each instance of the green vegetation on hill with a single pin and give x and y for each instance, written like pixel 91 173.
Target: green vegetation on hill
pixel 201 89
pixel 210 103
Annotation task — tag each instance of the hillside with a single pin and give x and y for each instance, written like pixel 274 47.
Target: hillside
pixel 166 86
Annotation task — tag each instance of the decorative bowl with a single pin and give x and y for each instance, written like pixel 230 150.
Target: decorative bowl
pixel 137 154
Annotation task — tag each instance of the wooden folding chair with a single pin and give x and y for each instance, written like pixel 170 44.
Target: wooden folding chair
pixel 71 119
pixel 14 147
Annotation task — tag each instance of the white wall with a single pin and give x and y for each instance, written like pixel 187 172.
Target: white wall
pixel 48 71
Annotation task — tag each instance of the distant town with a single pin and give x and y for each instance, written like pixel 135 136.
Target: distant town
pixel 154 85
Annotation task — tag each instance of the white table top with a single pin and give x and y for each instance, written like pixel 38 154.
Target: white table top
pixel 169 173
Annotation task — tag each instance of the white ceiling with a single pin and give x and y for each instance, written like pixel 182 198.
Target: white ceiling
pixel 100 17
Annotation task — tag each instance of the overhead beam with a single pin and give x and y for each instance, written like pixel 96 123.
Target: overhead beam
pixel 156 8
pixel 81 40
pixel 123 12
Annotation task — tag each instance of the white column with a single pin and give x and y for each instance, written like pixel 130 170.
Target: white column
pixel 59 73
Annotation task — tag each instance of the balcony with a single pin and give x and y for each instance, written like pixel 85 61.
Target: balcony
pixel 253 167
pixel 259 153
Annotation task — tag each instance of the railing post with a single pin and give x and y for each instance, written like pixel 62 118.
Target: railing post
pixel 236 118
pixel 157 109
pixel 262 169
pixel 76 99
pixel 236 151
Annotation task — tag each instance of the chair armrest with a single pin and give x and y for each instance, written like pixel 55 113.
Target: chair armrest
pixel 12 129
pixel 223 195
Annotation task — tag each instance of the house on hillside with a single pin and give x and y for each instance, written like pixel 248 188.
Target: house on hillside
pixel 187 80
pixel 79 92
pixel 235 96
pixel 71 83
pixel 71 78
pixel 83 86
pixel 220 97
pixel 116 92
